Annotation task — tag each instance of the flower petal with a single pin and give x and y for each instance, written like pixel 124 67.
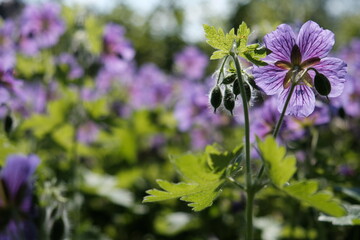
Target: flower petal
pixel 18 171
pixel 302 102
pixel 314 41
pixel 269 78
pixel 280 42
pixel 335 70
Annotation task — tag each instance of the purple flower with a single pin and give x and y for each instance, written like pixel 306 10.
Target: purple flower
pixel 7 46
pixel 87 133
pixel 32 97
pixel 192 106
pixel 191 62
pixel 9 86
pixel 41 27
pixel 346 170
pixel 150 88
pixel 294 59
pixel 117 50
pixel 264 119
pixel 350 99
pixel 16 195
pixel 72 67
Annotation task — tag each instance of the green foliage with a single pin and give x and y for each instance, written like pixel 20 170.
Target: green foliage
pixel 219 40
pixel 94 32
pixel 42 124
pixel 226 42
pixel 352 217
pixel 242 35
pixel 307 192
pixel 280 167
pixel 253 52
pixel 204 177
pixel 6 148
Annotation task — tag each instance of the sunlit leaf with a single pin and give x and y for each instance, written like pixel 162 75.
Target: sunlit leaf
pixel 280 167
pixel 307 192
pixel 352 217
pixel 219 40
pixel 204 177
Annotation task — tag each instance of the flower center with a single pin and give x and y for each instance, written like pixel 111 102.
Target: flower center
pixel 297 70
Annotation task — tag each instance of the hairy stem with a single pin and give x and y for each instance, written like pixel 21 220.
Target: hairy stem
pixel 249 187
pixel 221 70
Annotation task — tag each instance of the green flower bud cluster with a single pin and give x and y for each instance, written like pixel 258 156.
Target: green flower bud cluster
pixel 228 96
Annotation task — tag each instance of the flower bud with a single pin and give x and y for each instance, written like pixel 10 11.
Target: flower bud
pixel 229 100
pixel 236 88
pixel 322 84
pixel 247 92
pixel 229 79
pixel 215 97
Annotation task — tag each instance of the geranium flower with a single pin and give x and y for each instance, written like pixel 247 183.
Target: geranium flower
pixel 117 50
pixel 16 205
pixel 295 60
pixel 191 63
pixel 41 27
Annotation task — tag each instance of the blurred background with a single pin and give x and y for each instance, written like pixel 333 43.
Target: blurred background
pixel 111 89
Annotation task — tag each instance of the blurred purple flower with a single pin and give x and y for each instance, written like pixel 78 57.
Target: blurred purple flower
pixel 16 196
pixel 41 27
pixel 9 86
pixel 192 107
pixel 264 119
pixel 31 98
pixel 87 133
pixel 150 88
pixel 297 55
pixel 350 99
pixel 299 127
pixel 106 80
pixel 191 62
pixel 7 45
pixel 74 70
pixel 346 170
pixel 117 50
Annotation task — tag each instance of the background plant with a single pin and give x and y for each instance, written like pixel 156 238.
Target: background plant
pixel 102 144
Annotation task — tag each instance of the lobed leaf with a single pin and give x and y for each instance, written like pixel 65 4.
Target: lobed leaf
pixel 352 217
pixel 219 40
pixel 280 167
pixel 307 192
pixel 242 35
pixel 204 176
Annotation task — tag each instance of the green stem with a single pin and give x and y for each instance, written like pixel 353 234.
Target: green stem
pixel 280 122
pixel 249 187
pixel 221 70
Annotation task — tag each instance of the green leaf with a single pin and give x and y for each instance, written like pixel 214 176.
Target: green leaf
pixel 280 167
pixel 97 108
pixel 307 192
pixel 242 35
pixel 218 55
pixel 219 40
pixel 64 136
pixel 94 31
pixel 6 148
pixel 42 124
pixel 352 217
pixel 204 176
